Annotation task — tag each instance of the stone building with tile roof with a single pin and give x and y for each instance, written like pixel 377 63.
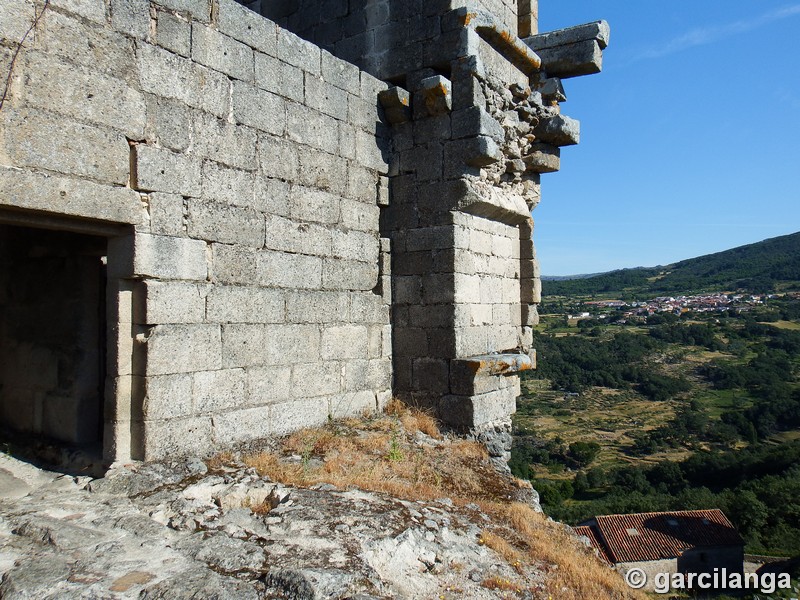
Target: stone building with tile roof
pixel 689 541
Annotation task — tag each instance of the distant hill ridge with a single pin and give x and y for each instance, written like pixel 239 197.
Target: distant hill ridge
pixel 758 267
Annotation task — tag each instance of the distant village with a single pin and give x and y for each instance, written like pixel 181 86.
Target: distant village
pixel 700 303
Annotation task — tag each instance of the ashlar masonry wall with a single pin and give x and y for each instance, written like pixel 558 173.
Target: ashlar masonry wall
pixel 237 173
pixel 388 38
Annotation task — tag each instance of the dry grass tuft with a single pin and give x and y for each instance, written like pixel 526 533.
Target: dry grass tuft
pixel 414 419
pixel 379 454
pixel 501 585
pixel 509 553
pixel 220 460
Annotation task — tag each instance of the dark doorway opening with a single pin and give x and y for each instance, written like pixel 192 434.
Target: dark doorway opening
pixel 52 339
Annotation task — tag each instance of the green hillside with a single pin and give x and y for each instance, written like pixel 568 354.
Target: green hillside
pixel 759 267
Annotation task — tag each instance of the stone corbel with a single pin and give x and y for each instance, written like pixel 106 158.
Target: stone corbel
pixel 573 51
pixel 497 35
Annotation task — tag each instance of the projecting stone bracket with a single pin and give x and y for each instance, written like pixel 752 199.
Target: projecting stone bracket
pixel 493 364
pixel 497 35
pixel 573 51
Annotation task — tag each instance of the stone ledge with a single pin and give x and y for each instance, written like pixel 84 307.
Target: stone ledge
pixel 573 51
pixel 495 364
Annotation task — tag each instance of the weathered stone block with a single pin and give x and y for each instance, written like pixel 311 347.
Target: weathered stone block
pixel 279 77
pixel 247 26
pixel 558 131
pixel 478 151
pixel 222 53
pixel 407 290
pixel 299 413
pixel 16 17
pixel 311 127
pixel 235 304
pixel 326 97
pixel 352 404
pixel 471 341
pixel 243 345
pixel 32 138
pixel 170 302
pixel 93 10
pixel 467 288
pixel 164 74
pixel 223 223
pixel 214 391
pixel 363 113
pixel 431 375
pixel 169 123
pixel 231 145
pixel 231 186
pixel 290 236
pixel 322 170
pixel 182 349
pixel 100 49
pixel 347 140
pixel 359 215
pixel 259 109
pixel 162 257
pixel 271 196
pixel 476 121
pixel 298 52
pixel 543 158
pixel 233 264
pixel 340 73
pixel 173 33
pixel 410 342
pixel 289 344
pixel 340 274
pixel 279 269
pixel 167 396
pixel 396 104
pixel 346 341
pixel 362 184
pixel 164 171
pixel 318 307
pixel 176 437
pixel 372 152
pixel 278 158
pixel 355 245
pixel 84 95
pixel 368 308
pixel 239 426
pixel 467 412
pixel 309 204
pixel 354 375
pixel 166 214
pixel 316 379
pixel 434 97
pixel 131 17
pixel 268 384
pixel 69 196
pixel 198 10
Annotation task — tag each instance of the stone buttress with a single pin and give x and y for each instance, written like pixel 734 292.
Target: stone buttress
pixel 471 136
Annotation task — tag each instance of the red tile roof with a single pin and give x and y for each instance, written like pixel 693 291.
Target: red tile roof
pixel 655 536
pixel 590 533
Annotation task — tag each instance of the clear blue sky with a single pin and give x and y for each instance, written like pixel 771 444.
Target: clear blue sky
pixel 690 137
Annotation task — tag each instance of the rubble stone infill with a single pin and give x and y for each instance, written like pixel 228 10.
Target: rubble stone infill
pixel 175 531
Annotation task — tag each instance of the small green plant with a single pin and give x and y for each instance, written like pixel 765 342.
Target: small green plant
pixel 395 453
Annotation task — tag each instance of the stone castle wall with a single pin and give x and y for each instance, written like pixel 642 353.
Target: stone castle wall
pixel 239 171
pixel 278 237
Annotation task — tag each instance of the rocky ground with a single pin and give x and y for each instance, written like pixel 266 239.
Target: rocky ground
pixel 221 529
